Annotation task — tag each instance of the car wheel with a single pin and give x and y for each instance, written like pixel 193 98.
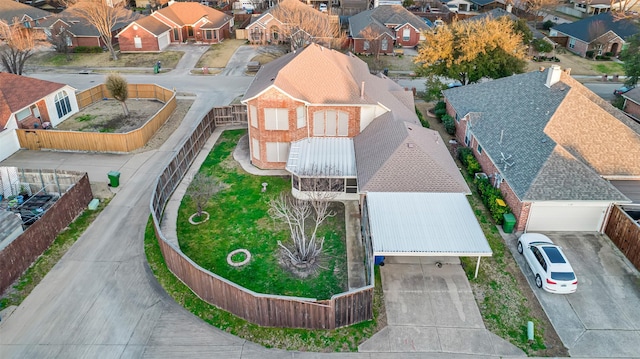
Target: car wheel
pixel 538 281
pixel 520 247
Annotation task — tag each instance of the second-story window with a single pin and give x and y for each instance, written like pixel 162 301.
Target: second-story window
pixel 276 119
pixel 330 123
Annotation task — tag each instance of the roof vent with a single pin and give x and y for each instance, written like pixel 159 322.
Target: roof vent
pixel 410 145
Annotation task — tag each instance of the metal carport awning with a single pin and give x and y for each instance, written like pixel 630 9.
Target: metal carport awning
pixel 424 224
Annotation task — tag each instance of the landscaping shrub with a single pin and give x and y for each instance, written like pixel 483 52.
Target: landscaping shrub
pixel 440 110
pixel 465 154
pixel 423 121
pixel 608 54
pixel 589 54
pixel 547 25
pixel 449 124
pixel 441 105
pixel 489 195
pixel 88 50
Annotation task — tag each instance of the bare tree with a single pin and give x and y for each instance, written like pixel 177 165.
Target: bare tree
pixel 119 89
pixel 596 31
pixel 302 25
pixel 540 8
pixel 19 45
pixel 60 38
pixel 623 9
pixel 305 246
pixel 374 38
pixel 103 15
pixel 202 188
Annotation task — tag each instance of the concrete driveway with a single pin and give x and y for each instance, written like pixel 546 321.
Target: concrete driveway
pixel 602 318
pixel 432 310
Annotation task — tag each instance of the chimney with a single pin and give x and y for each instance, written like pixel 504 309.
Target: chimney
pixel 509 7
pixel 553 75
pixel 567 71
pixel 362 90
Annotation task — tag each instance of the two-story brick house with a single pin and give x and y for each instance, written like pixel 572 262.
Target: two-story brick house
pixel 393 25
pixel 551 145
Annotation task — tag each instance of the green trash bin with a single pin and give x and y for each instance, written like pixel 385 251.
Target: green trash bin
pixel 114 178
pixel 509 222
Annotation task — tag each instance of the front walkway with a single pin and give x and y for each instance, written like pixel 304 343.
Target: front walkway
pixel 431 309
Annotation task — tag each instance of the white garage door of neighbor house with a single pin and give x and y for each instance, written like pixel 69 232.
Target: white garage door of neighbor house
pixel 571 216
pixel 163 41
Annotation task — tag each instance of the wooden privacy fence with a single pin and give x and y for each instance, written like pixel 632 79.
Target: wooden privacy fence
pixel 104 142
pixel 229 115
pixel 624 231
pixel 265 310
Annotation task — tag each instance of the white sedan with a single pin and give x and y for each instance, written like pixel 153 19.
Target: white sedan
pixel 548 263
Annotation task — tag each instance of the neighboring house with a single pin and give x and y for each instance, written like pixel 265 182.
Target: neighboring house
pixel 600 33
pixel 486 5
pixel 29 103
pixel 551 146
pixel 186 21
pixel 493 14
pixel 341 129
pixel 394 26
pixel 79 32
pixel 632 103
pixel 29 16
pixel 459 6
pixel 267 28
pixel 584 8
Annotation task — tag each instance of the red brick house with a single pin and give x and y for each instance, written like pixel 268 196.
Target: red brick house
pixel 601 34
pixel 393 24
pixel 551 145
pixel 632 103
pixel 176 23
pixel 339 99
pixel 78 32
pixel 30 103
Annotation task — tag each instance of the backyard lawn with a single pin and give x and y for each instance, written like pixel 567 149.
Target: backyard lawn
pixel 239 219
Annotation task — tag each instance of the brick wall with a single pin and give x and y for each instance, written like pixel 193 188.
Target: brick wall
pixel 24 250
pixel 579 48
pixel 519 209
pixel 414 38
pixel 275 99
pixel 86 41
pixel 127 44
pixel 358 46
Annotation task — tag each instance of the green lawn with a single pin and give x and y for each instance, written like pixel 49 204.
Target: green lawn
pixel 169 59
pixel 609 67
pixel 342 339
pixel 239 219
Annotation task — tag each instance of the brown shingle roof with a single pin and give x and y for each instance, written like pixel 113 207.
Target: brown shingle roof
pixel 397 156
pixel 153 25
pixel 322 76
pixel 17 92
pixel 188 13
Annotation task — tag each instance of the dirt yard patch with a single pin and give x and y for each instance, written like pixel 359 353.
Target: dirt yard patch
pixel 169 59
pixel 108 116
pixel 579 65
pixel 173 122
pixel 219 54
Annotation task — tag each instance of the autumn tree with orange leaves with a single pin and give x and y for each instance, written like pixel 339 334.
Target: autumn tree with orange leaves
pixel 19 45
pixel 470 50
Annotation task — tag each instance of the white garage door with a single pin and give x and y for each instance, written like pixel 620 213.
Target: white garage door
pixel 570 216
pixel 163 41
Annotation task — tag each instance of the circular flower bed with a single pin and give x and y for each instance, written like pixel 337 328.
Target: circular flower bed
pixel 246 260
pixel 193 216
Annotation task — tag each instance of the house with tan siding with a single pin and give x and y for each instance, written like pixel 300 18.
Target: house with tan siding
pixel 550 145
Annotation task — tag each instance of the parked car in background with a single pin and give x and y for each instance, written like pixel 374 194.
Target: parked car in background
pixel 323 7
pixel 622 90
pixel 549 265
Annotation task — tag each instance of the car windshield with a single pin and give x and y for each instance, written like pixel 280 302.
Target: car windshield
pixel 563 275
pixel 554 255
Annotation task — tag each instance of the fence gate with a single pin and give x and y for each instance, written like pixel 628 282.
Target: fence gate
pixel 229 115
pixel 29 139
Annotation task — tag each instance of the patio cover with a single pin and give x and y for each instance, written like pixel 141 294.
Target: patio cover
pixel 322 157
pixel 424 224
